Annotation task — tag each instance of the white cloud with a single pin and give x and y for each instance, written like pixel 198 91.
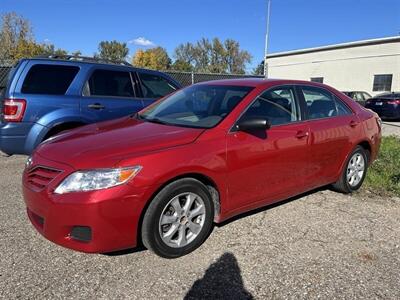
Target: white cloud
pixel 46 41
pixel 141 41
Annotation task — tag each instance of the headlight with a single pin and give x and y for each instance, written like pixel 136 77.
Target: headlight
pixel 91 180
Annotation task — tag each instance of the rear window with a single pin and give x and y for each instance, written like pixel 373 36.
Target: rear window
pixel 154 86
pixel 49 79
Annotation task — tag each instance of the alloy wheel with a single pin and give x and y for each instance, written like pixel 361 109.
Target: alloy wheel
pixel 182 220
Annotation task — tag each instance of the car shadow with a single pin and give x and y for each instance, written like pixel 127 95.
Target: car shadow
pixel 222 280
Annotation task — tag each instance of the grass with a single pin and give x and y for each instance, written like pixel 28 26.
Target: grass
pixel 383 176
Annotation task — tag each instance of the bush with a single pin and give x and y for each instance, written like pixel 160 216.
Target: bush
pixel 384 175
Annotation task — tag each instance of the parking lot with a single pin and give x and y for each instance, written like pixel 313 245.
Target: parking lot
pixel 319 245
pixel 391 128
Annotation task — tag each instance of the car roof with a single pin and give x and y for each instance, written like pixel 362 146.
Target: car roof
pixel 91 62
pixel 259 82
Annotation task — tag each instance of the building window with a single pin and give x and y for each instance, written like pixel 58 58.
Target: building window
pixel 382 83
pixel 317 79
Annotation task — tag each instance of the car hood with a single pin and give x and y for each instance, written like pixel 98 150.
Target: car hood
pixel 105 144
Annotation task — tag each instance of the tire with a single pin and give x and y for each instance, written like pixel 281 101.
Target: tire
pixel 183 231
pixel 348 185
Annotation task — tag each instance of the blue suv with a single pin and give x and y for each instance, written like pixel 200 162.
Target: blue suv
pixel 45 96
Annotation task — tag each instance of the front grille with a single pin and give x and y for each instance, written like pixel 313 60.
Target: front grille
pixel 39 177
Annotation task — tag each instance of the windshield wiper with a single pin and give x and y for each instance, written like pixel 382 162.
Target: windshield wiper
pixel 155 120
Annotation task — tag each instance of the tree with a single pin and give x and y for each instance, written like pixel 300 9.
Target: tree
pixel 236 59
pixel 259 70
pixel 214 57
pixel 154 58
pixel 112 50
pixel 15 36
pixel 17 40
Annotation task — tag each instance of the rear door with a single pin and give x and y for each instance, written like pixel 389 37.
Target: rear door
pixel 268 165
pixel 333 128
pixel 109 93
pixel 154 86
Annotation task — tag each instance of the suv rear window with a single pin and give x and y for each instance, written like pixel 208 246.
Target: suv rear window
pixel 49 79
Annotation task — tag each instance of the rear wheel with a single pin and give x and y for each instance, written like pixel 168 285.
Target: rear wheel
pixel 179 219
pixel 354 172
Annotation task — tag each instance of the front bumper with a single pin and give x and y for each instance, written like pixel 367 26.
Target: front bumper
pixel 112 215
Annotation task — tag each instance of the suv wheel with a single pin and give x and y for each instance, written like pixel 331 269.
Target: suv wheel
pixel 179 219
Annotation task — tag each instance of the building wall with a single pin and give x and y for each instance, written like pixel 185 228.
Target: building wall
pixel 348 69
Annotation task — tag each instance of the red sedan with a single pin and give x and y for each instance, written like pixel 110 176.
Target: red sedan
pixel 197 157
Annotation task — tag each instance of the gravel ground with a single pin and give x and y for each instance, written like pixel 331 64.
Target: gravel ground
pixel 391 128
pixel 320 245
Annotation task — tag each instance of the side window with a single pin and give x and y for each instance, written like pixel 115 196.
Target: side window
pixel 359 97
pixel 277 105
pixel 49 79
pixel 110 83
pixel 154 86
pixel 320 103
pixel 342 109
pixel 366 96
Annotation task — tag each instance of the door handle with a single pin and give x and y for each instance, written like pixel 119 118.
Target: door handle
pixel 301 134
pixel 96 106
pixel 353 123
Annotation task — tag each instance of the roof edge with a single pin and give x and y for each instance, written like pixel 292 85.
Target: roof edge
pixel 361 43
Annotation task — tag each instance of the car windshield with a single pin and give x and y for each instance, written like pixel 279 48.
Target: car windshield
pixel 198 106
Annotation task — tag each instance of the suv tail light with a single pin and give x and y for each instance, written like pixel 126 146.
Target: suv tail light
pixel 14 109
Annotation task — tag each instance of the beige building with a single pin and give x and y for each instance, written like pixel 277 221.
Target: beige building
pixel 372 66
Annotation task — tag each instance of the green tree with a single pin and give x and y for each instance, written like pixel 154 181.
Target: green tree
pixel 112 50
pixel 17 40
pixel 259 70
pixel 235 58
pixel 15 36
pixel 154 58
pixel 211 56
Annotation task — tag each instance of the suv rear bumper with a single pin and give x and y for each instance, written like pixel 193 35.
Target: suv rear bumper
pixel 13 137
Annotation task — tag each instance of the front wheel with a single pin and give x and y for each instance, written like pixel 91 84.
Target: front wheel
pixel 354 172
pixel 178 219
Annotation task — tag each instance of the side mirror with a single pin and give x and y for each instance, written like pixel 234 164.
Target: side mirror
pixel 253 124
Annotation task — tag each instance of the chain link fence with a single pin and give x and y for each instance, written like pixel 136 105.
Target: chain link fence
pixel 184 78
pixel 3 75
pixel 188 78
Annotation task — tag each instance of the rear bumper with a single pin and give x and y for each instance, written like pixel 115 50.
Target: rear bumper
pixel 13 137
pixel 387 113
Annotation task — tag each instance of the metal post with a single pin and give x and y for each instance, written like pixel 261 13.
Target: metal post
pixel 266 39
pixel 192 77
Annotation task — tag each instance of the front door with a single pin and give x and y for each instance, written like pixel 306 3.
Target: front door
pixel 269 165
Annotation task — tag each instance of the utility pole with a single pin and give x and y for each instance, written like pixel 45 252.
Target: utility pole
pixel 266 39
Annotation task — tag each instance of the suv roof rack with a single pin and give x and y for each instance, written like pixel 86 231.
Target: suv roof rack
pixel 85 59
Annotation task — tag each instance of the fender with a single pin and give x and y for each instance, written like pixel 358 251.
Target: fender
pixel 49 121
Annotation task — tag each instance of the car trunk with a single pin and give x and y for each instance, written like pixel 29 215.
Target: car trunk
pixel 381 103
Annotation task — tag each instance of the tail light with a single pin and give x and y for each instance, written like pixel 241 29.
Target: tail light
pixel 14 109
pixel 397 102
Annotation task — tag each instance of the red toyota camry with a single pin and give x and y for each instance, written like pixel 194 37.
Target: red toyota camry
pixel 197 157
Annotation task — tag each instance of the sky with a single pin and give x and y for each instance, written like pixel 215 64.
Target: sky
pixel 294 24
